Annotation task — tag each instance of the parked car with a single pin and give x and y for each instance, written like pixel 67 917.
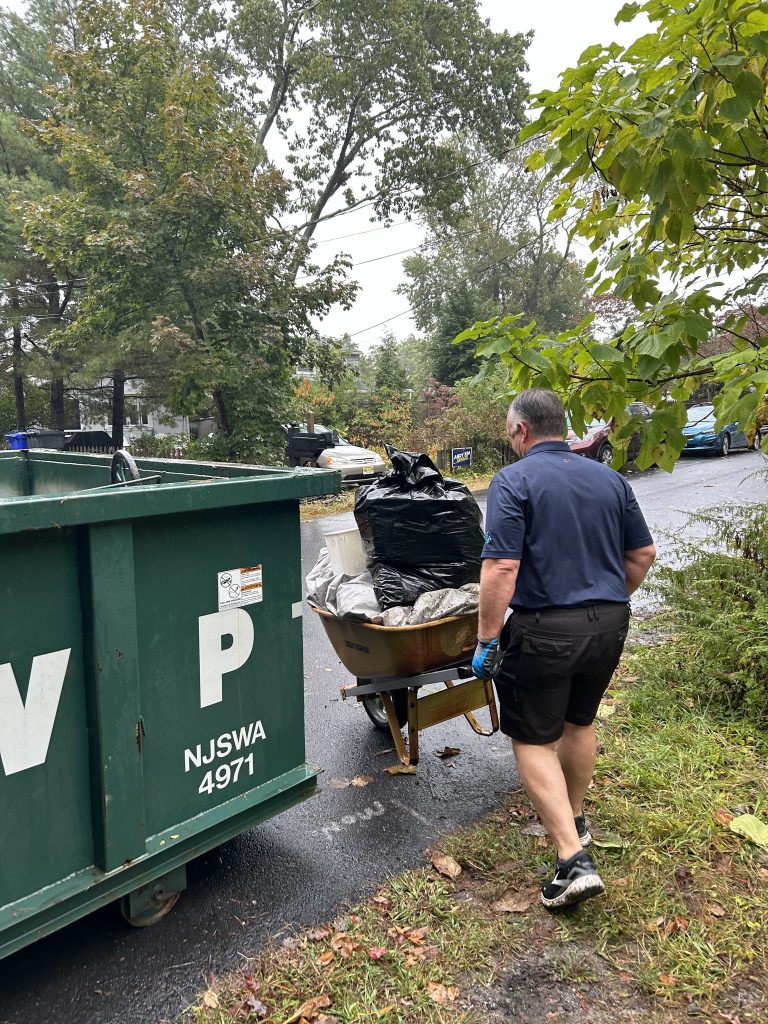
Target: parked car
pixel 355 464
pixel 702 435
pixel 595 444
pixel 757 440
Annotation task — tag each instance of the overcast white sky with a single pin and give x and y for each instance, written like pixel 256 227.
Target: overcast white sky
pixel 562 30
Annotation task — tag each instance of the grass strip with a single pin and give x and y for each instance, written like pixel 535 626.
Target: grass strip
pixel 682 925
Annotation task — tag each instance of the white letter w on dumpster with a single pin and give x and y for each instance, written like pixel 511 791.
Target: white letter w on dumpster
pixel 26 727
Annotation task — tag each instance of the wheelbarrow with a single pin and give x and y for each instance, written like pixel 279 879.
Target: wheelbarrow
pixel 392 664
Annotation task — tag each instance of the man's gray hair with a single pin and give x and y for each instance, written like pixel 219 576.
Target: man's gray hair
pixel 541 410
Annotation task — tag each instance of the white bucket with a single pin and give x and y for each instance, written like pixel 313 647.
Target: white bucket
pixel 345 549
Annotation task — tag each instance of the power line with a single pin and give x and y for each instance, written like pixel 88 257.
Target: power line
pixel 482 270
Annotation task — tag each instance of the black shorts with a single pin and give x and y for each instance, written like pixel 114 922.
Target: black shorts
pixel 557 665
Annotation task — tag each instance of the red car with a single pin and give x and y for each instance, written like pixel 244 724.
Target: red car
pixel 595 444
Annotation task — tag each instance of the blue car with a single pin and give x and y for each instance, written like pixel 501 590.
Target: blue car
pixel 701 435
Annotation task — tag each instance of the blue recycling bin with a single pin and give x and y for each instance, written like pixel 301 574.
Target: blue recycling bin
pixel 18 440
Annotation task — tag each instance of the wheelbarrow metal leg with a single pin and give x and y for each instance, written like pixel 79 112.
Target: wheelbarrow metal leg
pixel 489 701
pixel 394 728
pixel 413 726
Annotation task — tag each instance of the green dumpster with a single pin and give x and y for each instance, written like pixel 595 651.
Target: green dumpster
pixel 151 678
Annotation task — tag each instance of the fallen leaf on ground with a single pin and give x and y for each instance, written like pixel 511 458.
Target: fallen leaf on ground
pixel 401 769
pixel 361 780
pixel 448 752
pixel 441 993
pixel 325 958
pixel 444 863
pixel 752 828
pixel 534 828
pixel 210 1000
pixel 668 980
pixel 723 816
pixel 676 924
pixel 609 841
pixel 376 952
pixel 339 783
pixel 418 954
pixel 716 910
pixel 683 877
pixel 325 1019
pixel 383 903
pixel 417 935
pixel 254 1005
pixel 512 903
pixel 318 934
pixel 385 1010
pixel 606 710
pixel 309 1009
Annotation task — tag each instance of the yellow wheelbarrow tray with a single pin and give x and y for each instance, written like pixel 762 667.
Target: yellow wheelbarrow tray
pixel 392 663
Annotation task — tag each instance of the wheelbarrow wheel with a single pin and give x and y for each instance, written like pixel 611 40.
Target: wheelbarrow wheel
pixel 374 708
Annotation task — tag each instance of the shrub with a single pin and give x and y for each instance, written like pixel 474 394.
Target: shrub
pixel 716 601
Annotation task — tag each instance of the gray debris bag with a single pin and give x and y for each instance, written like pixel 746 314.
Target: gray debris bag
pixel 319 579
pixel 438 604
pixel 348 597
pixel 397 616
pixel 355 599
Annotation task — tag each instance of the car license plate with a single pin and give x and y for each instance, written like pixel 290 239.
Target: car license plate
pixel 367 469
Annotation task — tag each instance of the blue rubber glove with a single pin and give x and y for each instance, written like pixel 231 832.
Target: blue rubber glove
pixel 487 658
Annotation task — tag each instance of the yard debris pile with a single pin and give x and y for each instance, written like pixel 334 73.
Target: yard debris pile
pixel 354 598
pixel 422 536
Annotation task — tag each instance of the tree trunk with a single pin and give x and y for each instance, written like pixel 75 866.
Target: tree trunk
pixel 18 371
pixel 221 412
pixel 57 403
pixel 53 302
pixel 118 407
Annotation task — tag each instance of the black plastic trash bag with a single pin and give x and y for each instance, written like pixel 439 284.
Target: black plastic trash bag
pixel 420 531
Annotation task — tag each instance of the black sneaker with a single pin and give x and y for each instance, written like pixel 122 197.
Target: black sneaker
pixel 576 879
pixel 585 837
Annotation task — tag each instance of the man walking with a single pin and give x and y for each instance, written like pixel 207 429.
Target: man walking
pixel 565 546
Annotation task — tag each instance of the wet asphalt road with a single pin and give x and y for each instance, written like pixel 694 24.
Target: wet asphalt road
pixel 304 865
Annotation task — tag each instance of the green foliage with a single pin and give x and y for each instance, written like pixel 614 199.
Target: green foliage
pixel 168 222
pixel 717 605
pixel 493 254
pixel 36 398
pixel 382 83
pixel 475 417
pixel 386 418
pixel 389 371
pixel 663 154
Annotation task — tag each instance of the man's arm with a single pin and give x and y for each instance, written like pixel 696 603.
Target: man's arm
pixel 498 577
pixel 637 562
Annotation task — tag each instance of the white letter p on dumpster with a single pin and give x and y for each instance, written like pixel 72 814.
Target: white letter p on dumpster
pixel 215 660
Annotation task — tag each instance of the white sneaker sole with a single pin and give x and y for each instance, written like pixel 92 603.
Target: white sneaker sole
pixel 585 840
pixel 580 889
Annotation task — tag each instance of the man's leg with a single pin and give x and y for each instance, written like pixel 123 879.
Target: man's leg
pixel 542 775
pixel 576 752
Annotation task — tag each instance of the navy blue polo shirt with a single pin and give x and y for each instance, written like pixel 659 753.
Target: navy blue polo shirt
pixel 569 521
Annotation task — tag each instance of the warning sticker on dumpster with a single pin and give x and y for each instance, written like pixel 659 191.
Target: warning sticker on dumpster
pixel 239 587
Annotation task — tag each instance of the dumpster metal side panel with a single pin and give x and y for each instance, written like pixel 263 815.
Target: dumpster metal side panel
pixel 202 748
pixel 45 806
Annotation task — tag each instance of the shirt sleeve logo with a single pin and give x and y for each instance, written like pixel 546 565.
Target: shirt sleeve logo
pixel 488 537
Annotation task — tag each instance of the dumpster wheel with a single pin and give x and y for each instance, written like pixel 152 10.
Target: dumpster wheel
pixel 151 902
pixel 145 917
pixel 374 708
